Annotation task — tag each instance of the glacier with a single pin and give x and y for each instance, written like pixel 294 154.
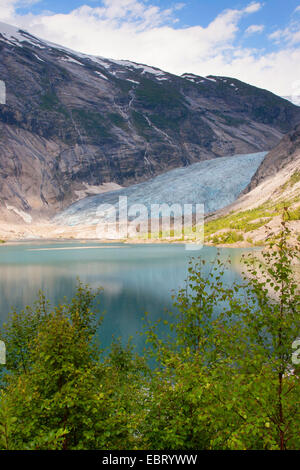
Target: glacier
pixel 215 183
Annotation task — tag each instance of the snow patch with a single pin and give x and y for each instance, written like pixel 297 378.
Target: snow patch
pixel 101 75
pixel 189 75
pixel 70 59
pixel 10 33
pixel 16 36
pixel 133 81
pixel 26 217
pixel 38 58
pixel 144 68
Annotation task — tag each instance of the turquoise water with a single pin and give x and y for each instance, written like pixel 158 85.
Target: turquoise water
pixel 135 278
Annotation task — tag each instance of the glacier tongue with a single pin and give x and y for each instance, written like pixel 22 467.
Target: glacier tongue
pixel 214 183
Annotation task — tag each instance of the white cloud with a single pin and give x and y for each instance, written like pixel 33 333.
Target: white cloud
pixel 289 35
pixel 139 31
pixel 255 28
pixel 8 7
pixel 253 7
pixel 297 9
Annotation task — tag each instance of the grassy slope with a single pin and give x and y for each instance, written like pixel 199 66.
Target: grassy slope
pixel 242 225
pixel 246 227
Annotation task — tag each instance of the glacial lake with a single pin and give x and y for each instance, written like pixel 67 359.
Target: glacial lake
pixel 135 278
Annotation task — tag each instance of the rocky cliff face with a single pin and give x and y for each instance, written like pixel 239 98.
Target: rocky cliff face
pixel 286 152
pixel 72 123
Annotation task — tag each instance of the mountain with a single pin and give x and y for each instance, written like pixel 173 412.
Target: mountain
pixel 287 151
pixel 274 186
pixel 75 125
pixel 295 99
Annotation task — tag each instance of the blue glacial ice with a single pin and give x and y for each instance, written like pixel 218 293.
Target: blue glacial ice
pixel 214 183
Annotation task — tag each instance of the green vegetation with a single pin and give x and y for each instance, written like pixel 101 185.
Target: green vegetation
pixel 229 120
pixel 140 123
pixel 295 178
pixel 168 106
pixel 165 120
pixel 266 106
pixel 246 221
pixel 123 85
pixel 58 394
pixel 223 377
pixel 294 214
pixel 118 120
pixel 239 221
pixel 50 102
pixel 93 123
pixel 157 95
pixel 227 238
pixel 235 122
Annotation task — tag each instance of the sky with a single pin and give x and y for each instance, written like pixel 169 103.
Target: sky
pixel 255 41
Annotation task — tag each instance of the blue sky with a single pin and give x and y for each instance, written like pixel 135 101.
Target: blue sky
pixel 256 41
pixel 275 12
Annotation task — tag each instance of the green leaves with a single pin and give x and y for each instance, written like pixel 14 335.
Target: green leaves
pixel 60 391
pixel 221 379
pixel 232 369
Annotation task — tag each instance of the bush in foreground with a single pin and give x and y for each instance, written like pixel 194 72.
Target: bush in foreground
pixel 222 379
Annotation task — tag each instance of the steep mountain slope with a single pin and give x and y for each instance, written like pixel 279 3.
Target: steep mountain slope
pixel 295 99
pixel 275 185
pixel 288 150
pixel 73 122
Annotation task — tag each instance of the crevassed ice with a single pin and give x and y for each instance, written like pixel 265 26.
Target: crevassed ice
pixel 214 183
